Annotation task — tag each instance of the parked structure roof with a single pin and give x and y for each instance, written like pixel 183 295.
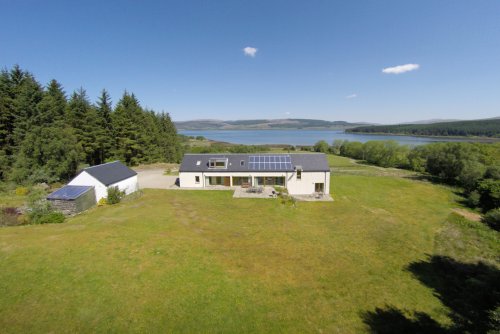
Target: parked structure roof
pixel 110 173
pixel 309 162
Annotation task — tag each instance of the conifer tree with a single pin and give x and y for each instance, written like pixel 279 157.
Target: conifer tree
pixel 127 120
pixel 6 125
pixel 49 151
pixel 82 117
pixel 104 136
pixel 25 93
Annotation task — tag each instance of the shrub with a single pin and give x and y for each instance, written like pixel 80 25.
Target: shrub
pixel 321 146
pixel 9 216
pixel 286 199
pixel 53 217
pixel 38 206
pixel 115 195
pixel 22 191
pixel 102 202
pixel 473 199
pixel 492 219
pixel 56 185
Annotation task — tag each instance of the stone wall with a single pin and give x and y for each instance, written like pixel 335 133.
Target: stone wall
pixel 66 207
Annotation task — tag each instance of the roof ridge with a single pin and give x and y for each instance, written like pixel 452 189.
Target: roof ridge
pixel 106 163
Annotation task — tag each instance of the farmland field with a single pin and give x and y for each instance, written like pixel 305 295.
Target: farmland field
pixel 201 261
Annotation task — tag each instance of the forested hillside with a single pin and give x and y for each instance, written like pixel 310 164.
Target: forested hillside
pixel 479 128
pixel 45 136
pixel 265 124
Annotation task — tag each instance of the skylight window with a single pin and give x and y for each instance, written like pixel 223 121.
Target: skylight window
pixel 198 163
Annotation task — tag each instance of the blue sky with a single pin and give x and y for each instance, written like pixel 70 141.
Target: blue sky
pixel 314 59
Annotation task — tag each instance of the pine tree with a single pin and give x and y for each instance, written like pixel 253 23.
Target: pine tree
pixel 127 122
pixel 83 118
pixel 170 141
pixel 51 108
pixel 49 151
pixel 104 134
pixel 25 93
pixel 6 125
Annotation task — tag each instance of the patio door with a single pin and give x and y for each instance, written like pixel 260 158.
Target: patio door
pixel 319 187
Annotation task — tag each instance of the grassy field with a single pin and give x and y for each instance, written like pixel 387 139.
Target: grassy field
pixel 201 261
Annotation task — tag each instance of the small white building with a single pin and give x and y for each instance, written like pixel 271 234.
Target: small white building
pixel 300 173
pixel 102 177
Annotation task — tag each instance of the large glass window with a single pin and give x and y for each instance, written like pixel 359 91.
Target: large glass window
pixel 238 180
pixel 217 180
pixel 270 181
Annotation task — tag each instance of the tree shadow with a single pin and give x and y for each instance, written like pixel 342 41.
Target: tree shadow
pixel 471 291
pixel 428 178
pixel 390 320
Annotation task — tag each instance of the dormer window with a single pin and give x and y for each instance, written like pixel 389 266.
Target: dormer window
pixel 217 163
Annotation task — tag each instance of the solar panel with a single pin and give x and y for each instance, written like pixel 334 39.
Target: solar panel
pixel 270 162
pixel 69 192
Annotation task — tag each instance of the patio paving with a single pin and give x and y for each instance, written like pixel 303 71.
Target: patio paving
pixel 244 193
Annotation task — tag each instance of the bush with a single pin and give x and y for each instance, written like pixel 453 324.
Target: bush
pixel 321 146
pixel 38 206
pixel 53 217
pixel 9 216
pixel 492 219
pixel 489 191
pixel 115 195
pixel 22 191
pixel 473 199
pixel 102 202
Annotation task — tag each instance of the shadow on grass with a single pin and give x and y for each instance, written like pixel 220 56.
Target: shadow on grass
pixel 470 291
pixel 428 178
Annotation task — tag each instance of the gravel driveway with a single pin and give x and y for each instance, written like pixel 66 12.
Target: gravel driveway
pixel 154 178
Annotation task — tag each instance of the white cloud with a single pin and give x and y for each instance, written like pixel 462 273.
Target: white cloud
pixel 288 113
pixel 352 96
pixel 250 51
pixel 401 69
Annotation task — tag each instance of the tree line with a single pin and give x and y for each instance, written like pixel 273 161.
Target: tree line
pixel 45 136
pixel 475 167
pixel 478 128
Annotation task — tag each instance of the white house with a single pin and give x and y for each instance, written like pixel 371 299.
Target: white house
pixel 101 177
pixel 301 174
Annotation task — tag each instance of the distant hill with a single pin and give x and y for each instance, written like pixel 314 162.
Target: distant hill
pixel 476 128
pixel 265 124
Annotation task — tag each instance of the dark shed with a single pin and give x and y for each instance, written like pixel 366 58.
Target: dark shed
pixel 72 199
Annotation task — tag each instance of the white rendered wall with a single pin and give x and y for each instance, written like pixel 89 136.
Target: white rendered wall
pixel 128 185
pixel 294 186
pixel 188 180
pixel 85 179
pixel 306 184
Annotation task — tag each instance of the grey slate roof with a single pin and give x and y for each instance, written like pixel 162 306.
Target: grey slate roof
pixel 310 162
pixel 110 172
pixel 69 192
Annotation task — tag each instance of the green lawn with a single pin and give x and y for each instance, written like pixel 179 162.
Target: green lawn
pixel 201 261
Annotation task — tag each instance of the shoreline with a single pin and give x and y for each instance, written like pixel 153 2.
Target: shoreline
pixel 489 139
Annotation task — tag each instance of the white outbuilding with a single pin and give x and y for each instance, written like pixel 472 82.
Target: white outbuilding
pixel 102 177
